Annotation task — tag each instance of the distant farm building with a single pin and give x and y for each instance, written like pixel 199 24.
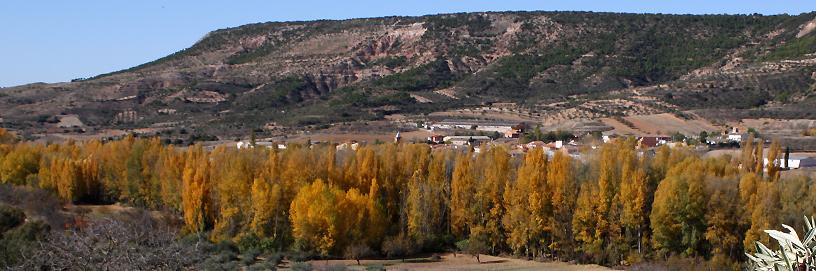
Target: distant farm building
pixel 467 140
pixel 436 139
pixel 735 137
pixel 489 126
pixel 795 162
pixel 653 141
pixel 266 144
pixel 515 131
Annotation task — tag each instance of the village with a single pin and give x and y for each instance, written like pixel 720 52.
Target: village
pixel 521 137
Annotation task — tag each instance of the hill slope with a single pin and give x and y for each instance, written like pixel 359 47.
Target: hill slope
pixel 306 73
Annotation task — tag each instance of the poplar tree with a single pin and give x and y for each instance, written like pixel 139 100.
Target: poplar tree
pixel 773 161
pixel 195 191
pixel 634 197
pixel 463 190
pixel 529 209
pixel 561 181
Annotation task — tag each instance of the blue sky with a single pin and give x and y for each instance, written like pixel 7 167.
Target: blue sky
pixel 54 41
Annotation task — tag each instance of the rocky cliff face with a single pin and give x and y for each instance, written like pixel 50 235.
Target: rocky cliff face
pixel 304 73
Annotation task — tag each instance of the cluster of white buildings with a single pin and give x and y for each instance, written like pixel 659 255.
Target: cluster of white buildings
pixel 263 144
pixel 479 125
pixel 794 162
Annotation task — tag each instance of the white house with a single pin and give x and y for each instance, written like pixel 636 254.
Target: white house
pixel 735 137
pixel 464 140
pixel 269 145
pixel 794 162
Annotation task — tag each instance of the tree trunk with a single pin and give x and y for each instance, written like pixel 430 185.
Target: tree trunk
pixel 527 250
pixel 640 241
pixel 552 246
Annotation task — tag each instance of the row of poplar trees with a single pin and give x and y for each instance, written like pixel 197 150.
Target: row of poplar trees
pixel 611 205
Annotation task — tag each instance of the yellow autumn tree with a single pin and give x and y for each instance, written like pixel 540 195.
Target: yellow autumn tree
pixel 763 214
pixel 438 196
pixel 773 161
pixel 236 173
pixel 584 221
pixel 19 166
pixel 265 206
pixel 634 194
pixel 170 172
pixel 7 137
pixel 724 218
pixel 529 209
pixel 608 188
pixel 561 181
pixel 747 152
pixel 679 208
pixel 463 189
pixel 418 209
pixel 195 190
pixel 490 194
pixel 361 219
pixel 367 167
pixel 759 161
pixel 377 220
pixel 314 216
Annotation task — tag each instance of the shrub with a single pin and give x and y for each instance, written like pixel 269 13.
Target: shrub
pixel 247 242
pixel 226 245
pixel 225 256
pixel 357 252
pixel 157 246
pixel 399 246
pixel 248 257
pixel 475 246
pixel 20 241
pixel 230 266
pixel 274 258
pixel 794 254
pixel 10 218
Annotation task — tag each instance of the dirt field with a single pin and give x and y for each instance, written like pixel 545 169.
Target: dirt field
pixel 460 262
pixel 667 123
pixel 661 124
pixel 777 127
pixel 481 113
pixel 621 128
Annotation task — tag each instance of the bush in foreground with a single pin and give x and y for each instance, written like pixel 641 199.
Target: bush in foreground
pixel 794 254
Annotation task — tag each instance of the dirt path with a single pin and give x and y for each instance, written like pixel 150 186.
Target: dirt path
pixel 460 262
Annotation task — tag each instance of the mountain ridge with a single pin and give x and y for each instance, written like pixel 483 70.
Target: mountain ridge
pixel 310 73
